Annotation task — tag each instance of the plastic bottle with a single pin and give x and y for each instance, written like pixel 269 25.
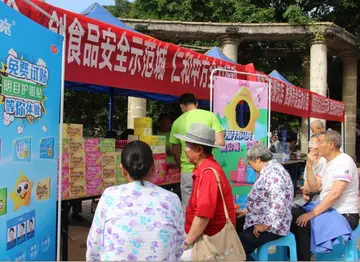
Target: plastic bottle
pixel 241 171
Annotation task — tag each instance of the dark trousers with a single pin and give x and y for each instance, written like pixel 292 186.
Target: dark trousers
pixel 249 241
pixel 303 234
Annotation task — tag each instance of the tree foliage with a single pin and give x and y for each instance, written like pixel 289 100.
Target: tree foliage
pixel 93 109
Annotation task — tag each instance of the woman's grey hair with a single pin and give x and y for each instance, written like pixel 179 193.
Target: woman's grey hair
pixel 259 151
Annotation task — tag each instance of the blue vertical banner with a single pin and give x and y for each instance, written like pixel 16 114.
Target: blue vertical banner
pixel 30 79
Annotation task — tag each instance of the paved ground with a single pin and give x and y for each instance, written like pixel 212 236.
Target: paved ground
pixel 88 216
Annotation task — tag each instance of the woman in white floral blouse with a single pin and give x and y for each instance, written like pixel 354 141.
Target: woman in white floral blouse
pixel 268 215
pixel 137 221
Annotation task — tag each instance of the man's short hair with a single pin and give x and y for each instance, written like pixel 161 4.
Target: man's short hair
pixel 317 123
pixel 333 136
pixel 315 136
pixel 187 99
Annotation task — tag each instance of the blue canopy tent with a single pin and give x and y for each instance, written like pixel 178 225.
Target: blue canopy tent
pixel 96 11
pixel 217 53
pixel 277 75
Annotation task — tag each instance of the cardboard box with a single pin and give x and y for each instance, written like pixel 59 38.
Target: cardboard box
pixel 93 173
pixel 65 145
pixel 109 182
pixel 146 139
pixel 93 159
pixel 158 141
pixel 107 145
pixel 77 243
pixel 94 187
pixel 65 160
pixel 76 145
pixel 65 175
pixel 76 160
pixel 142 131
pixel 120 179
pixel 109 172
pixel 72 131
pixel 111 159
pixel 92 145
pixel 158 149
pixel 142 122
pixel 65 189
pixel 160 169
pixel 77 189
pixel 77 175
pixel 143 126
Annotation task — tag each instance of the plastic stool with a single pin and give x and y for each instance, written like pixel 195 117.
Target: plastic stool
pixel 262 253
pixel 345 250
pixel 335 255
pixel 351 251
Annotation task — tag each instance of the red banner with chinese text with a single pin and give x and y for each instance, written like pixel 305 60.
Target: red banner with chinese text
pixel 101 54
pixel 293 100
pixel 287 99
pixel 325 108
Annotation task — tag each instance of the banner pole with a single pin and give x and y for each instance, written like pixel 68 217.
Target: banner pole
pixel 62 90
pixel 269 112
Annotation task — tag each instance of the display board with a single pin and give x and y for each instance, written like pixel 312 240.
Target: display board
pixel 242 108
pixel 30 77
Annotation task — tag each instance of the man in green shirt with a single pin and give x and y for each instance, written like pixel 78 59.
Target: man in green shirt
pixel 191 114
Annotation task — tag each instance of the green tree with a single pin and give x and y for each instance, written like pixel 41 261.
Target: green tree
pixel 122 8
pixel 92 109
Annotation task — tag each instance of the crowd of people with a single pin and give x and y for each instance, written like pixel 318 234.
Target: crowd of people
pixel 140 221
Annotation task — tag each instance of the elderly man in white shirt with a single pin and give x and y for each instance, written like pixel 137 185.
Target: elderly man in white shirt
pixel 318 167
pixel 339 190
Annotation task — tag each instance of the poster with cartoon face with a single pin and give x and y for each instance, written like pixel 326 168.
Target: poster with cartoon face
pixel 30 75
pixel 242 108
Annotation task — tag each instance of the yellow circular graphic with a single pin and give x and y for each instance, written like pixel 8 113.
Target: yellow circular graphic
pixel 230 111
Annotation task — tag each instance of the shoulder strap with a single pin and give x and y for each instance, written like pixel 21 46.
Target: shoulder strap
pixel 219 186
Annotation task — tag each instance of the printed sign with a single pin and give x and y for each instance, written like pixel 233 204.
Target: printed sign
pixel 30 75
pixel 293 100
pixel 325 108
pixel 242 108
pixel 98 53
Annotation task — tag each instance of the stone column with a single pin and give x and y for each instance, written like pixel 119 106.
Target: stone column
pixel 136 108
pixel 304 121
pixel 318 68
pixel 229 46
pixel 350 99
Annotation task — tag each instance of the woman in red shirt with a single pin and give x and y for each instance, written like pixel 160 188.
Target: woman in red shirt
pixel 205 212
